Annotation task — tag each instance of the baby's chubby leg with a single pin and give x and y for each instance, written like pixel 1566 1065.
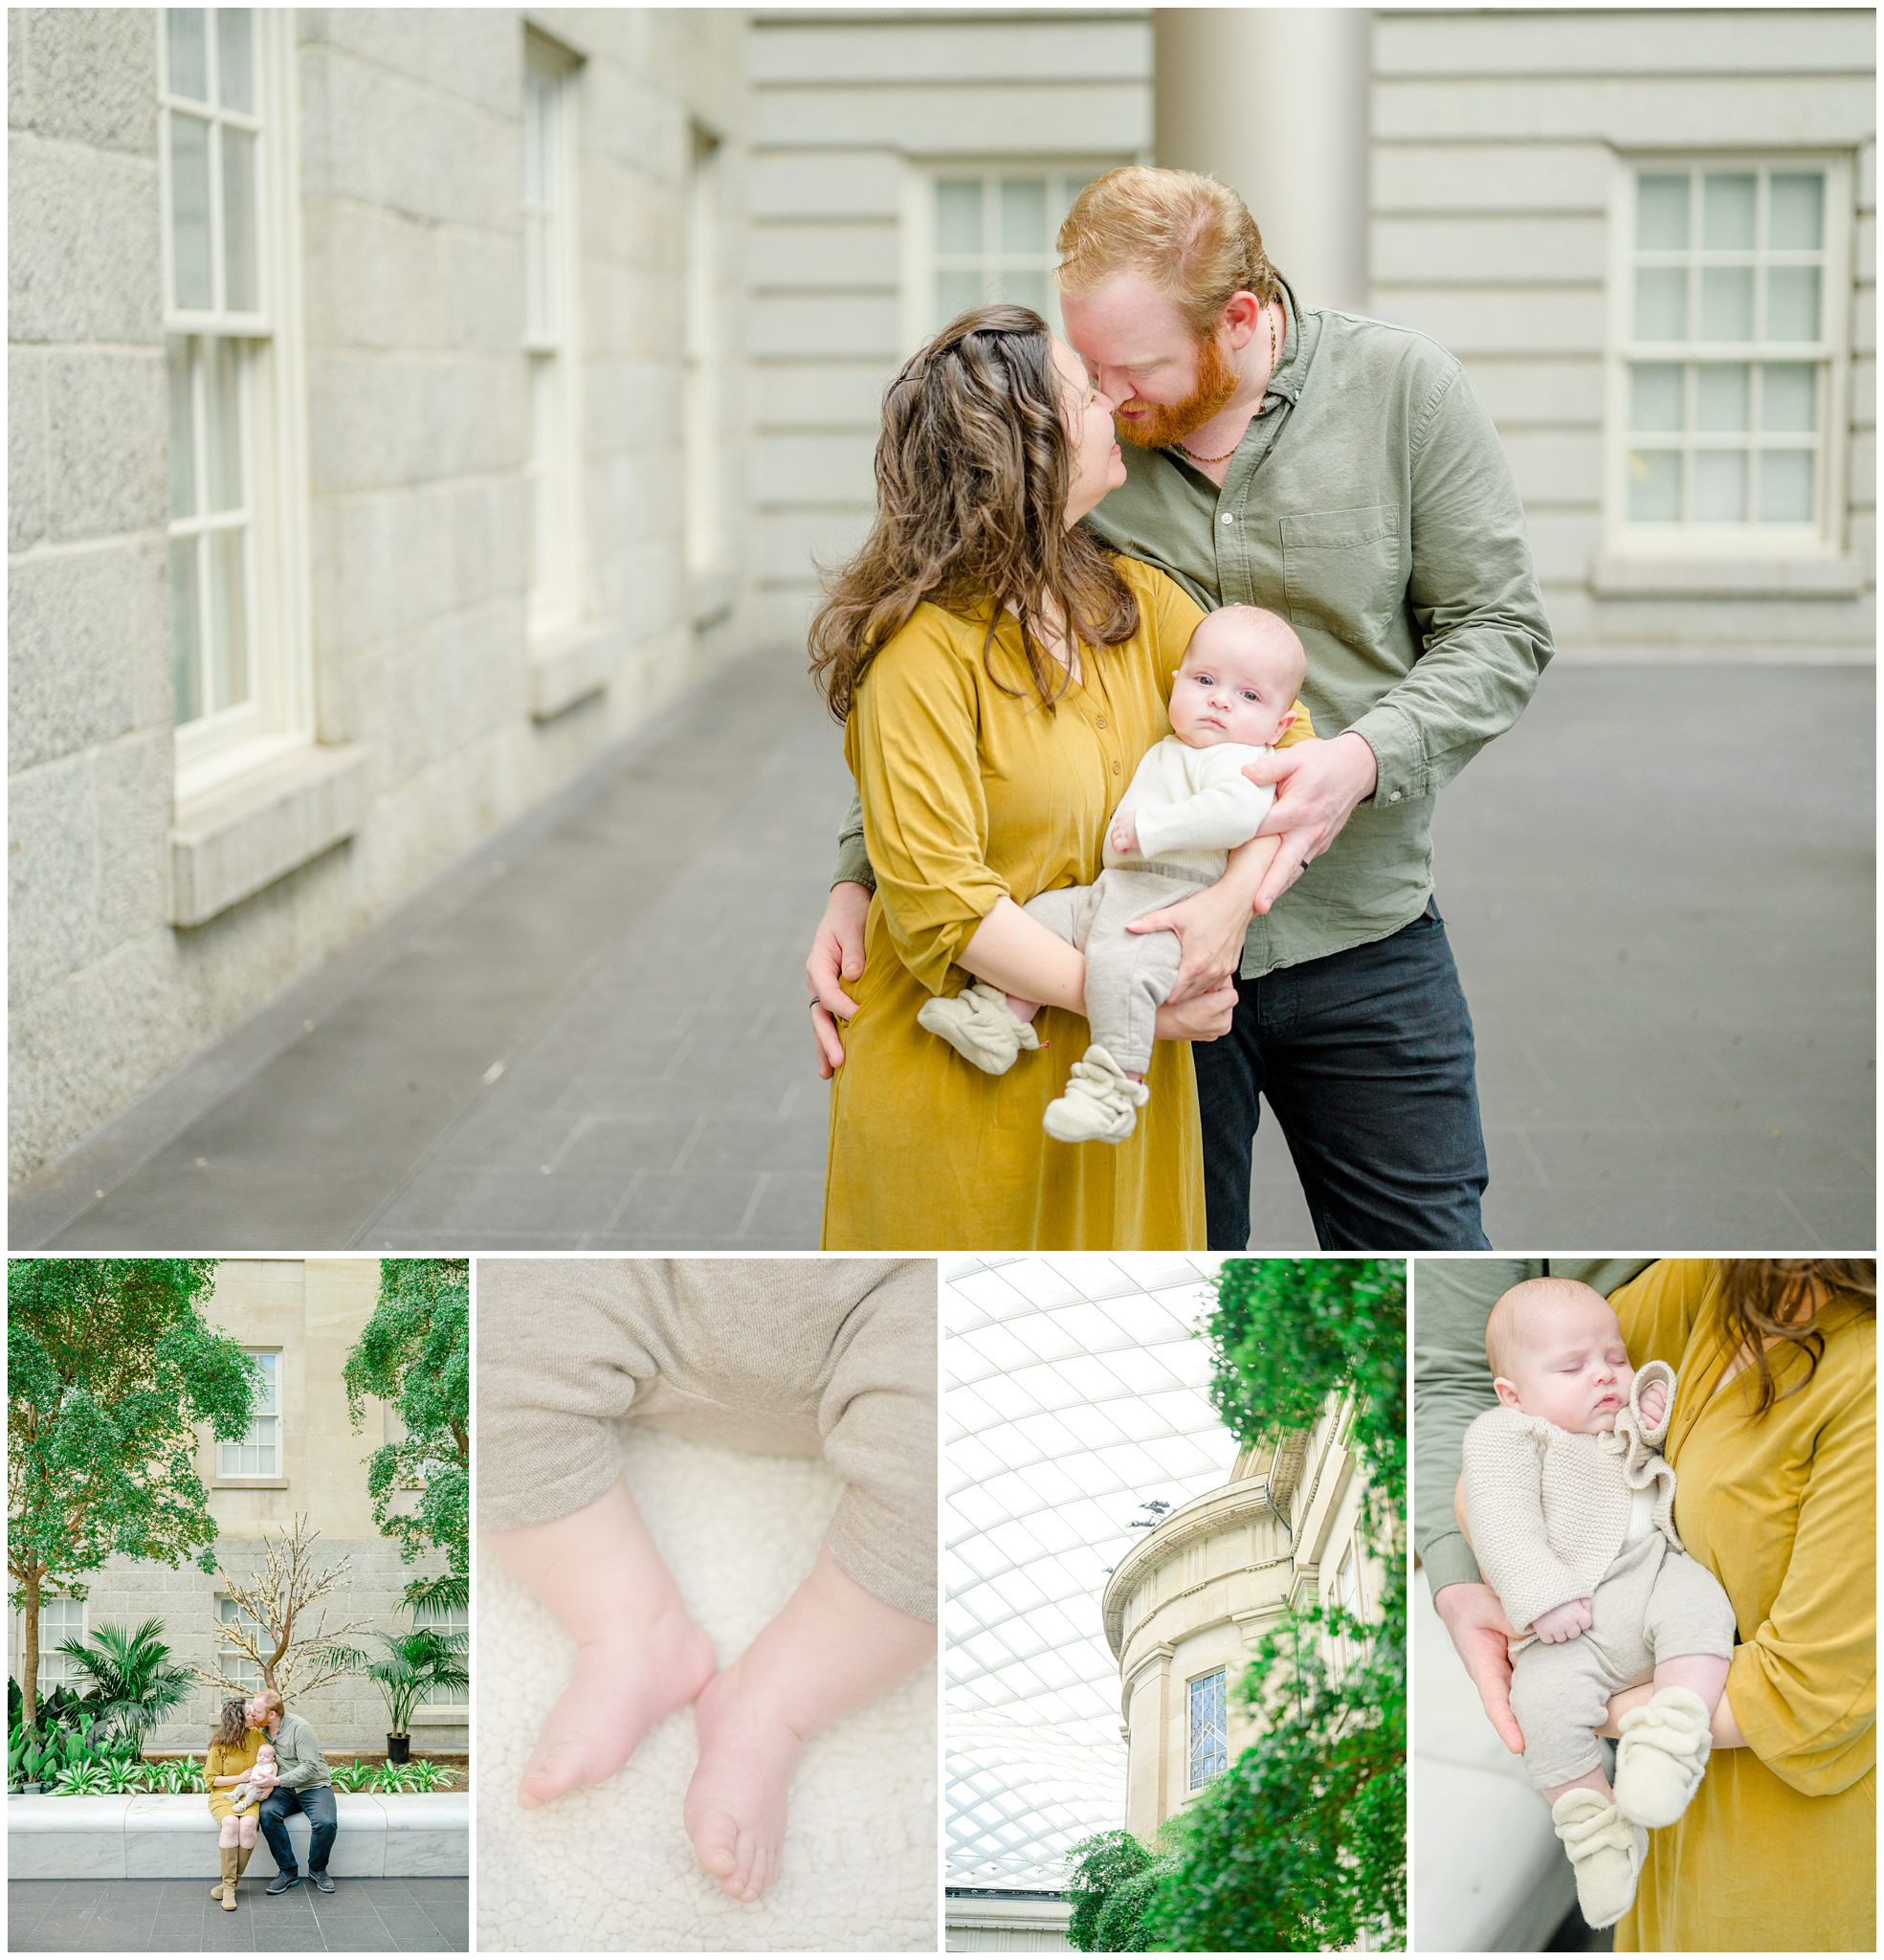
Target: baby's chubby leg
pixel 832 1648
pixel 639 1652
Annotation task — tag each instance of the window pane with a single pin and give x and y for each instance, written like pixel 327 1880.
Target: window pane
pixel 533 273
pixel 231 641
pixel 1786 486
pixel 1796 211
pixel 1792 303
pixel 223 413
pixel 186 629
pixel 1024 214
pixel 1661 304
pixel 183 434
pixel 1788 395
pixel 235 59
pixel 1654 485
pixel 1026 289
pixel 241 287
pixel 1720 486
pixel 188 53
pixel 959 215
pixel 956 292
pixel 1720 395
pixel 189 210
pixel 1726 303
pixel 1654 396
pixel 1727 210
pixel 1661 213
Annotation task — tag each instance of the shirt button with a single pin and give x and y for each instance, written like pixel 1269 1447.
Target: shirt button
pixel 1099 720
pixel 1114 768
pixel 1394 797
pixel 1228 517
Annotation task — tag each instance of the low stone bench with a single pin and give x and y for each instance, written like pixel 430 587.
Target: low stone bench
pixel 175 1837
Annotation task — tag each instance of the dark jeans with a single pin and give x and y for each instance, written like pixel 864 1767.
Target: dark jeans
pixel 1365 1060
pixel 279 1805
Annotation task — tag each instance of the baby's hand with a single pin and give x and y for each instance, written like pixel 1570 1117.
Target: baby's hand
pixel 1654 1401
pixel 1124 838
pixel 1563 1622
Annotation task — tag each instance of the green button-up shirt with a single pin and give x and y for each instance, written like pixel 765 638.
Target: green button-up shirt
pixel 298 1756
pixel 1370 503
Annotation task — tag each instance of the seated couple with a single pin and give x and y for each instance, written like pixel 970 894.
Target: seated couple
pixel 264 1765
pixel 1081 921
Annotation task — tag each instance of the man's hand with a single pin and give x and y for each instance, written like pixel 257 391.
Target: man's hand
pixel 836 955
pixel 1654 1402
pixel 1205 1017
pixel 1210 926
pixel 1482 1636
pixel 1316 786
pixel 1124 834
pixel 1563 1622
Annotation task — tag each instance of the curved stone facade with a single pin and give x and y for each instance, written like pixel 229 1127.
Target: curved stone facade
pixel 1186 1607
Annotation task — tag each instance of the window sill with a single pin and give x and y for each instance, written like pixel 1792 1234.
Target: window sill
pixel 570 665
pixel 1613 575
pixel 247 1482
pixel 441 1718
pixel 711 599
pixel 231 842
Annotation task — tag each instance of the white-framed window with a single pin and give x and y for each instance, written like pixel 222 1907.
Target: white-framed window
pixel 60 1619
pixel 1208 1729
pixel 551 343
pixel 238 1667
pixel 258 1453
pixel 1730 326
pixel 707 548
pixel 984 231
pixel 240 641
pixel 447 1620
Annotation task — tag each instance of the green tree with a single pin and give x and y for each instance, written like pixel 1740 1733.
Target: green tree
pixel 415 1353
pixel 415 1667
pixel 132 1674
pixel 1111 1880
pixel 110 1367
pixel 1301 1844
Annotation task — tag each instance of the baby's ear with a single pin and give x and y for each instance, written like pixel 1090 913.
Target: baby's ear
pixel 1283 727
pixel 1507 1391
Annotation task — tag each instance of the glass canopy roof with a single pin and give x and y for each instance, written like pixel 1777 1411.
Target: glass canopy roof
pixel 1075 1401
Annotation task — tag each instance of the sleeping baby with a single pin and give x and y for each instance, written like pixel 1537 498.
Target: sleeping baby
pixel 1569 1504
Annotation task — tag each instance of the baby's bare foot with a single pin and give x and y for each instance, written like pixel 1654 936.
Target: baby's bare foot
pixel 622 1686
pixel 735 1807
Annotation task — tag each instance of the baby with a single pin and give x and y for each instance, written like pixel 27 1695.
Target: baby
pixel 788 1356
pixel 258 1783
pixel 1188 806
pixel 1568 1500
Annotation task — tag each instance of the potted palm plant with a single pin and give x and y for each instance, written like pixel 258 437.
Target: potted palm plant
pixel 135 1684
pixel 415 1667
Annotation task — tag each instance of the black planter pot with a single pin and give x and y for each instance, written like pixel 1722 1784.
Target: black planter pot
pixel 399 1748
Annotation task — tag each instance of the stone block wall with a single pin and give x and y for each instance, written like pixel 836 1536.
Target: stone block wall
pixel 415 409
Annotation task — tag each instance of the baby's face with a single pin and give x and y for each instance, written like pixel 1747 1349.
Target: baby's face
pixel 1565 1362
pixel 1236 685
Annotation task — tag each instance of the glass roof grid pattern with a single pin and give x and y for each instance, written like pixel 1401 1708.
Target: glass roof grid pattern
pixel 1076 1396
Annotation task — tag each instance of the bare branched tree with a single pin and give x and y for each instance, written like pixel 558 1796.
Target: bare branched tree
pixel 281 1626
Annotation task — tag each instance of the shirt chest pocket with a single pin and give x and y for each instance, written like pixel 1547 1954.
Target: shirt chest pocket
pixel 1343 570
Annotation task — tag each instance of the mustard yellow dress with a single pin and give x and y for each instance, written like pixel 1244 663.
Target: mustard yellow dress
pixel 225 1761
pixel 970 792
pixel 1778 1850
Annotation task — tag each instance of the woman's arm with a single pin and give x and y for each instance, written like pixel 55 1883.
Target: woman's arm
pixel 1020 956
pixel 1726 1731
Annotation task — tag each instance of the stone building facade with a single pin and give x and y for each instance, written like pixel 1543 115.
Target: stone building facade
pixel 303 1459
pixel 1186 1607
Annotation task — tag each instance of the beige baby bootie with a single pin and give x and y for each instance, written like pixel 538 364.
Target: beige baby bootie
pixel 1100 1105
pixel 1659 1761
pixel 980 1025
pixel 1605 1853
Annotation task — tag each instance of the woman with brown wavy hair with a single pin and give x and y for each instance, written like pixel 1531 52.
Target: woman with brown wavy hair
pixel 233 1748
pixel 999 674
pixel 1773 1438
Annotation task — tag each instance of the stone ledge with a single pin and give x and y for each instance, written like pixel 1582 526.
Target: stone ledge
pixel 233 842
pixel 569 666
pixel 152 1836
pixel 1614 576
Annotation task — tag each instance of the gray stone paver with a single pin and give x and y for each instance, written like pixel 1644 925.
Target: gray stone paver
pixel 1658 888
pixel 178 1916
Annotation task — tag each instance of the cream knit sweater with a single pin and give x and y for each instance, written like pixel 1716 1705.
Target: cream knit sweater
pixel 1548 1508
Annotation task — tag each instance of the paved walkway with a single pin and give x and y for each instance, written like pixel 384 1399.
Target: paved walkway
pixel 592 1033
pixel 178 1916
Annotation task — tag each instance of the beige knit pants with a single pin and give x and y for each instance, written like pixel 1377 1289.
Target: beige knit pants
pixel 1652 1604
pixel 789 1357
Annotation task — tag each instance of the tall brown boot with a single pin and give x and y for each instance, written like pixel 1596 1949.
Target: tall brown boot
pixel 230 1872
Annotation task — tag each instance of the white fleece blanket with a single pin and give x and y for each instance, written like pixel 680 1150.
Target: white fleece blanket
pixel 611 1868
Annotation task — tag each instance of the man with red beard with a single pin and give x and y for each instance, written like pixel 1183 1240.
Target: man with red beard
pixel 1338 470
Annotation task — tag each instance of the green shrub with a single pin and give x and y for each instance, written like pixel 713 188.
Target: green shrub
pixel 85 1779
pixel 1112 1878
